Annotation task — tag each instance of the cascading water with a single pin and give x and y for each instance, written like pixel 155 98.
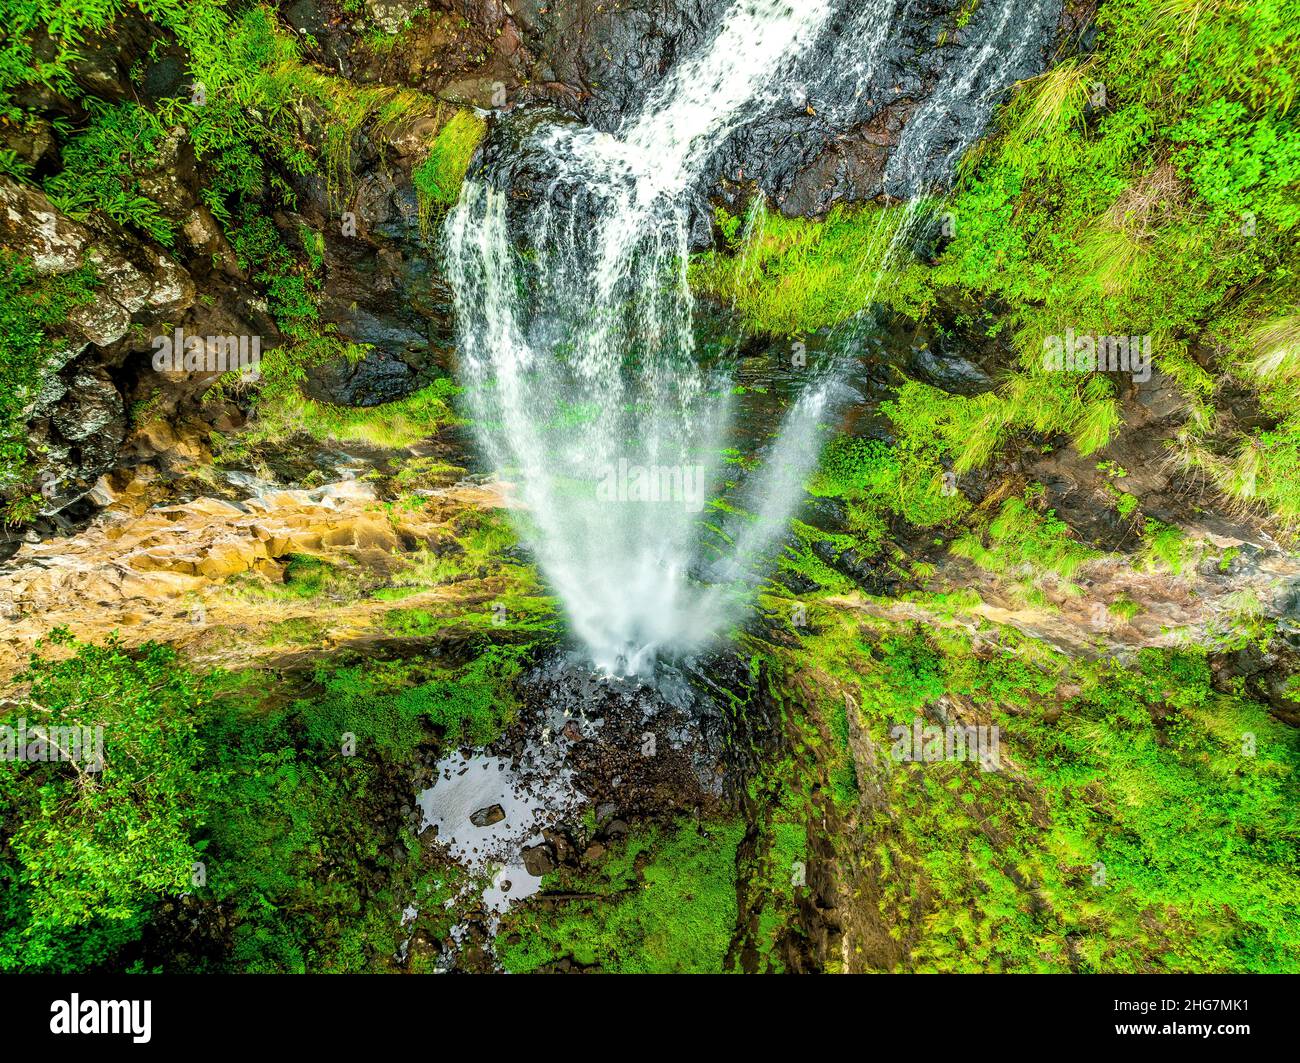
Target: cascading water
pixel 577 342
pixel 1006 32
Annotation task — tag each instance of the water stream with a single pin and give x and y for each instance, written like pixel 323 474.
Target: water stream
pixel 577 343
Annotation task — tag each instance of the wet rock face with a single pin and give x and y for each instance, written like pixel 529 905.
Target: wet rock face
pixel 383 288
pixel 649 747
pixel 646 747
pixel 601 58
pixel 77 420
pixel 848 168
pixel 830 141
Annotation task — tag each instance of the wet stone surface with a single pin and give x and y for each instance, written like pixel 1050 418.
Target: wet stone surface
pixel 589 758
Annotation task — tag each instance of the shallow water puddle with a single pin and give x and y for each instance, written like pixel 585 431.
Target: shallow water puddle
pixel 486 812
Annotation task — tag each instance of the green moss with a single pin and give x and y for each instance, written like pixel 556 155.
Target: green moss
pixel 305 578
pixel 31 306
pixel 438 178
pixel 666 904
pixel 1021 540
pixel 393 704
pixel 788 276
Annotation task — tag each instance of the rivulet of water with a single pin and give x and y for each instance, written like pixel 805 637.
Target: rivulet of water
pixel 577 343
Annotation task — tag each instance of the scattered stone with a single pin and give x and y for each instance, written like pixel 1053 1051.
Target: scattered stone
pixel 485 817
pixel 537 861
pixel 560 845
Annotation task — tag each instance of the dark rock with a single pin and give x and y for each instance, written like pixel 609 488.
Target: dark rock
pixel 560 845
pixel 165 79
pixel 485 817
pixel 951 372
pixel 851 168
pixel 374 380
pixel 538 861
pixel 832 140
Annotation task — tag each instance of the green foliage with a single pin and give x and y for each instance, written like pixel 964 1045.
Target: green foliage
pixel 13 165
pixel 31 305
pixel 1145 825
pixel 291 281
pixel 93 848
pixel 789 275
pixel 102 167
pixel 877 483
pixel 41 43
pixel 438 178
pixel 1165 546
pixel 305 848
pixel 1022 540
pixel 284 786
pixel 261 102
pixel 257 118
pixel 905 480
pixel 393 707
pixel 964 433
pixel 665 903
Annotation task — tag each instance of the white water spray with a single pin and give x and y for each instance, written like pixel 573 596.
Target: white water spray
pixel 578 351
pixel 580 360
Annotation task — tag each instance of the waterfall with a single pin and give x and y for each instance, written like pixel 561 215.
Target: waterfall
pixel 1007 30
pixel 578 352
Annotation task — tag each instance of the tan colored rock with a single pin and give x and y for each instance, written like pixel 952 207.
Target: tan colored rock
pixel 144 574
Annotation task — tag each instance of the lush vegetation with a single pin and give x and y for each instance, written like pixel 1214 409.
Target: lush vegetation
pixel 89 845
pixel 1138 819
pixel 1140 816
pixel 438 179
pixel 664 903
pixel 261 805
pixel 1146 188
pixel 261 121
